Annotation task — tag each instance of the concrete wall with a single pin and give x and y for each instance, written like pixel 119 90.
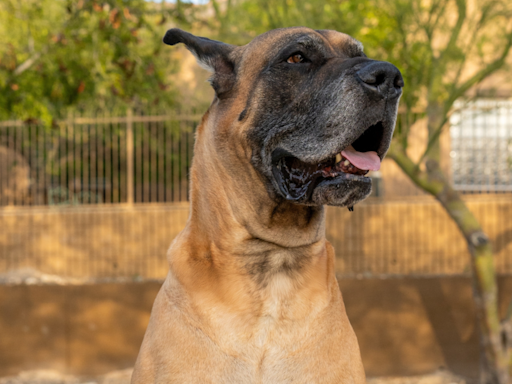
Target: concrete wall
pixel 405 326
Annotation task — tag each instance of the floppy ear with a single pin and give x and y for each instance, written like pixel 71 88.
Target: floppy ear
pixel 212 55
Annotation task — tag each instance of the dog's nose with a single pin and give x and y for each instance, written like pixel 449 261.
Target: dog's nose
pixel 381 78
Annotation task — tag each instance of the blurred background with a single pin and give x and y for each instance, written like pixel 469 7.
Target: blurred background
pixel 97 121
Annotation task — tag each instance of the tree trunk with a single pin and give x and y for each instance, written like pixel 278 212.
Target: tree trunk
pixel 495 351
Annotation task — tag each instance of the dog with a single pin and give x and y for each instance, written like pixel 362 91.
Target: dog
pixel 298 118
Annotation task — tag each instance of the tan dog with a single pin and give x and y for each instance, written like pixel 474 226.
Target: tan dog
pixel 251 296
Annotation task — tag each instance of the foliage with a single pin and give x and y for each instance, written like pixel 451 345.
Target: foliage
pixel 57 54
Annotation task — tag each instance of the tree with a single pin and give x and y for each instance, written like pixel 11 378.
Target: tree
pixel 57 54
pixel 443 48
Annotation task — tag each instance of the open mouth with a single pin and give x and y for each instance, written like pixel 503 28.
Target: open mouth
pixel 297 179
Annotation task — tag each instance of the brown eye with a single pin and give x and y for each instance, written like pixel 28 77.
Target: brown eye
pixel 294 59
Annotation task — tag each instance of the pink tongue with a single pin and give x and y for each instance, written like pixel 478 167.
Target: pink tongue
pixel 362 160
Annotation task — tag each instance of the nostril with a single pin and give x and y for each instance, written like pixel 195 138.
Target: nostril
pixel 380 79
pixel 373 78
pixel 399 81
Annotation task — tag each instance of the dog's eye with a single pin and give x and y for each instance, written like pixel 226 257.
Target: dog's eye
pixel 295 59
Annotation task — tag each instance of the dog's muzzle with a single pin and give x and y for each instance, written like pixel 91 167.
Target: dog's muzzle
pixel 297 179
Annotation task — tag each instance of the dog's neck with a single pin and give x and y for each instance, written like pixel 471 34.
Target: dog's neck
pixel 230 201
pixel 238 241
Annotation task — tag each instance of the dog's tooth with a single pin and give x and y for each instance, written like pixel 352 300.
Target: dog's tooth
pixel 346 163
pixel 338 158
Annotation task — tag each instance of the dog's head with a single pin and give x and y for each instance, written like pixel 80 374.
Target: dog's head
pixel 314 113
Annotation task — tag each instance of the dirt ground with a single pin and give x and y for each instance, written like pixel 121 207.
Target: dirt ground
pixel 123 377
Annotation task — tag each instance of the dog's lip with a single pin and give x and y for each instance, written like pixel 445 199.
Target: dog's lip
pixel 278 153
pixel 345 177
pixel 343 191
pixel 297 182
pixel 296 179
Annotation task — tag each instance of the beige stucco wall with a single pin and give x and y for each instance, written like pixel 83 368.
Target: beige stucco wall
pixel 407 236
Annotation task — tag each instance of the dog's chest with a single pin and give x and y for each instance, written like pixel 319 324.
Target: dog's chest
pixel 277 298
pixel 280 345
pixel 283 322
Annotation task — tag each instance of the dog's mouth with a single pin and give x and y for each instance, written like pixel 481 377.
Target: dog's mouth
pixel 298 179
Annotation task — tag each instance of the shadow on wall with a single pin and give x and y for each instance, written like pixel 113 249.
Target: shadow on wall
pixel 411 326
pixel 405 326
pixel 87 329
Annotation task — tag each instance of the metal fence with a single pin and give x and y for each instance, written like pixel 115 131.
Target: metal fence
pixel 140 157
pixel 481 146
pixel 380 238
pixel 100 159
pixel 69 194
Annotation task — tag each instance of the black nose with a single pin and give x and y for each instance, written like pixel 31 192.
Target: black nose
pixel 381 79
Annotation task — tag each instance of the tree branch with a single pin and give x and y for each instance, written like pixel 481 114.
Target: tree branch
pixel 412 170
pixel 508 315
pixel 216 9
pixel 27 64
pixel 482 74
pixel 432 25
pixel 438 68
pixel 407 120
pixel 434 137
pixel 471 41
pixel 461 10
pixel 458 92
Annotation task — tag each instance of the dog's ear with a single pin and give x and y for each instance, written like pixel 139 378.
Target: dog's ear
pixel 212 55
